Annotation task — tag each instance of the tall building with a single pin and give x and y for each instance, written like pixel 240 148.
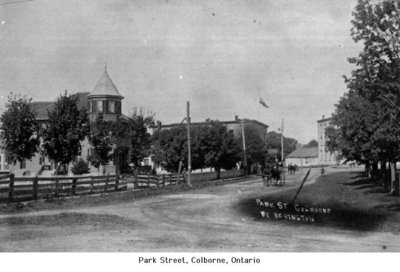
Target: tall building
pixel 324 157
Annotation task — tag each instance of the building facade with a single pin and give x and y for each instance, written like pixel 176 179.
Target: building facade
pixel 303 157
pixel 324 156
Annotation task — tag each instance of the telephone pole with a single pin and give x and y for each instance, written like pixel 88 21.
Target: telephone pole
pixel 282 141
pixel 189 172
pixel 244 146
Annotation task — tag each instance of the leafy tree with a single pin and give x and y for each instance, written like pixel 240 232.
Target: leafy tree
pixel 368 115
pixel 170 147
pixel 255 146
pixel 101 139
pixel 312 143
pixel 19 129
pixel 66 128
pixel 274 142
pixel 140 139
pixel 219 147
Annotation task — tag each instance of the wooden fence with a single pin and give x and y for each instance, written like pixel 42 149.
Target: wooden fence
pixel 26 188
pixel 155 181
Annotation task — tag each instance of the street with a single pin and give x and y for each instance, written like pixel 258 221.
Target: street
pixel 197 220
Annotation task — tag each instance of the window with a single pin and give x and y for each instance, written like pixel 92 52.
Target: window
pixel 111 106
pixel 99 106
pixel 22 164
pixel 146 161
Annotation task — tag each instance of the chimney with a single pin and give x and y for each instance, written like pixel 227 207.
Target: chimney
pixel 323 117
pixel 159 125
pixel 236 118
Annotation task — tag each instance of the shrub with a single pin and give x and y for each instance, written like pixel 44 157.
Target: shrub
pixel 80 167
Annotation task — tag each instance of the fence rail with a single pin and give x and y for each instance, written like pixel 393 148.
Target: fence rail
pixel 155 181
pixel 27 188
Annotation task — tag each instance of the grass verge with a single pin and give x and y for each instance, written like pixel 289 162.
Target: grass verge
pixel 344 200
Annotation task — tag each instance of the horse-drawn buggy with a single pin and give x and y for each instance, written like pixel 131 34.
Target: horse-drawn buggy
pixel 272 174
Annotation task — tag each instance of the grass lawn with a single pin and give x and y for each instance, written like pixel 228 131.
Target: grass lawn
pixel 354 202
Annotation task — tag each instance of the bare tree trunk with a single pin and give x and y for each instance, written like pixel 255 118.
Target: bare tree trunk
pixel 383 174
pixel 368 170
pixel 393 178
pixel 218 172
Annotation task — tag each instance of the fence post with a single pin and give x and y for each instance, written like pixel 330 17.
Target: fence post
pixel 116 182
pixel 107 179
pixel 163 180
pixel 56 189
pixel 157 177
pixel 74 180
pixel 11 188
pixel 91 184
pixel 170 179
pixel 135 180
pixel 148 180
pixel 35 187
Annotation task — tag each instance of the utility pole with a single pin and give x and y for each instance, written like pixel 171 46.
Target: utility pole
pixel 189 172
pixel 282 154
pixel 244 146
pixel 282 141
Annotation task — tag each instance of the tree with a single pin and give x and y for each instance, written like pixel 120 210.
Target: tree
pixel 211 146
pixel 219 147
pixel 19 129
pixel 274 142
pixel 255 146
pixel 170 148
pixel 101 139
pixel 66 128
pixel 140 139
pixel 312 143
pixel 368 116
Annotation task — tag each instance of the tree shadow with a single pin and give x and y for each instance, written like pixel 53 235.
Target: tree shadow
pixel 377 190
pixel 359 181
pixel 359 175
pixel 370 186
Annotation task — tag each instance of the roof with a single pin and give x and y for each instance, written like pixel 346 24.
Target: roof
pixel 41 108
pixel 304 152
pixel 324 120
pixel 83 101
pixel 105 87
pixel 222 122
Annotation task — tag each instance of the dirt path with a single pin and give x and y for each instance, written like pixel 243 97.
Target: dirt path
pixel 198 220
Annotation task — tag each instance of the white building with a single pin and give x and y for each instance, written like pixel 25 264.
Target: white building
pixel 303 157
pixel 324 157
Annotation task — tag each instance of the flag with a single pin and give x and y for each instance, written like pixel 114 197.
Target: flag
pixel 263 103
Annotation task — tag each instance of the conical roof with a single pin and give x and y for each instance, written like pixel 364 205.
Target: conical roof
pixel 105 87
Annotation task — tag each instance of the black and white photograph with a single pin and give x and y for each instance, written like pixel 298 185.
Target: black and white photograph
pixel 199 128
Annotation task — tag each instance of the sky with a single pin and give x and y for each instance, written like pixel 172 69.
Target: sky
pixel 221 55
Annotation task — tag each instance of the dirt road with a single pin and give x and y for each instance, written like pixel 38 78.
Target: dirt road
pixel 197 220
